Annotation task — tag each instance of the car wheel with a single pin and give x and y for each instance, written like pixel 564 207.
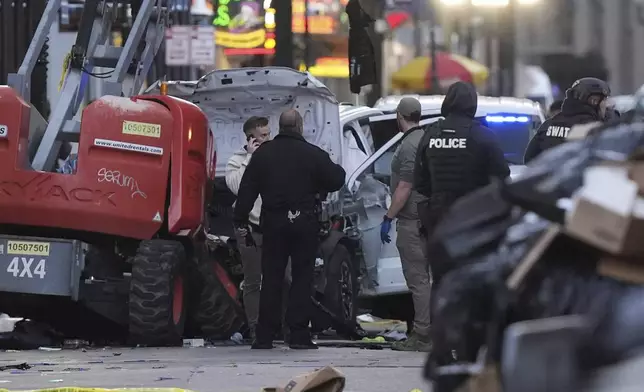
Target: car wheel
pixel 341 290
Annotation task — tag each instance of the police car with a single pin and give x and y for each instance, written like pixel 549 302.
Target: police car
pixel 514 120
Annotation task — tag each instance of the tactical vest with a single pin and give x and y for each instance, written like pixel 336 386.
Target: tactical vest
pixel 451 159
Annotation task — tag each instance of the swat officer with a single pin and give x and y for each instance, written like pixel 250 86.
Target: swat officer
pixel 288 173
pixel 585 102
pixel 456 156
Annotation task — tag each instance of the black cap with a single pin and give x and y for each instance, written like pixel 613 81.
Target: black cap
pixel 584 88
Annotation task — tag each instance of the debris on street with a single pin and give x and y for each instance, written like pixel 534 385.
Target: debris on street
pixel 29 335
pixel 75 344
pixel 194 342
pixel 21 366
pixel 390 330
pixel 326 379
pixel 7 323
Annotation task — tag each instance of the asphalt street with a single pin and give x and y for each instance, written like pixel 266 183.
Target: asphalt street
pixel 221 369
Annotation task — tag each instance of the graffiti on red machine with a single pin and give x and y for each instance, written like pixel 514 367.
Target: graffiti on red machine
pixel 122 180
pixel 39 187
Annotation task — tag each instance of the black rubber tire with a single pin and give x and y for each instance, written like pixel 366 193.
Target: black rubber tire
pixel 341 289
pixel 219 315
pixel 154 269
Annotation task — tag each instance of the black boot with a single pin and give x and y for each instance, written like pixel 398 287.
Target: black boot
pixel 303 345
pixel 262 345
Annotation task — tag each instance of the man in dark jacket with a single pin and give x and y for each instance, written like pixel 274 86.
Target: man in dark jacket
pixel 456 156
pixel 288 173
pixel 555 108
pixel 585 102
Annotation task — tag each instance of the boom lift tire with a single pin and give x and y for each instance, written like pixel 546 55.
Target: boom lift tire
pixel 219 315
pixel 157 298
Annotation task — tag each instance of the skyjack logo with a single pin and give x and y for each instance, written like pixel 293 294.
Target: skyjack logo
pixel 128 146
pixel 42 187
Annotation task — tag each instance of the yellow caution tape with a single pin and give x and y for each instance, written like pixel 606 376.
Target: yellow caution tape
pixel 78 389
pixel 66 63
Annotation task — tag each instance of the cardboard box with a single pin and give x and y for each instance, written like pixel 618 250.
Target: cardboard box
pixel 326 379
pixel 625 270
pixel 608 212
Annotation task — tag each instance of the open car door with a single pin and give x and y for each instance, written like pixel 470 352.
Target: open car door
pixel 370 197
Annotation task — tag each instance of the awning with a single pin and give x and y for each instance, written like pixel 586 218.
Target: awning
pixel 415 76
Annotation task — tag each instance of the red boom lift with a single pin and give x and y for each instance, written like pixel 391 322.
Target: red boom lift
pixel 122 240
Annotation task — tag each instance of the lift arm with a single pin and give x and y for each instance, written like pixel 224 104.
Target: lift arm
pixel 92 49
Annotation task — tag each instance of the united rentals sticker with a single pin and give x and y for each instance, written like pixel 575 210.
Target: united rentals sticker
pixel 141 129
pixel 118 145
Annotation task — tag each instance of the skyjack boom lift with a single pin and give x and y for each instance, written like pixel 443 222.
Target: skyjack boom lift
pixel 92 49
pixel 117 239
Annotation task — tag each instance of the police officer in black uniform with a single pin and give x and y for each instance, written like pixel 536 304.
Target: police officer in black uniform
pixel 585 102
pixel 456 156
pixel 288 173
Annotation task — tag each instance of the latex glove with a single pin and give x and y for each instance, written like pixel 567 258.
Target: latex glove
pixel 385 228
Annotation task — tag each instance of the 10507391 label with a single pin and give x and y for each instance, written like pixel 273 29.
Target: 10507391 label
pixel 141 129
pixel 28 248
pixel 4 131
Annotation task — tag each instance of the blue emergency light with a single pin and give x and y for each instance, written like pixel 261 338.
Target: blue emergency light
pixel 507 119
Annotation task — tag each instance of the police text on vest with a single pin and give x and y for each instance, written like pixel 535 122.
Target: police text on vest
pixel 557 131
pixel 448 143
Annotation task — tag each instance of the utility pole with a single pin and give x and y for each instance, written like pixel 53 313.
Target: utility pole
pixel 507 49
pixel 469 30
pixel 283 33
pixel 433 55
pixel 377 38
pixel 307 37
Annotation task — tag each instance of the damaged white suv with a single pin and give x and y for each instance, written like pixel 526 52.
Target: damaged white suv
pixel 352 261
pixel 229 98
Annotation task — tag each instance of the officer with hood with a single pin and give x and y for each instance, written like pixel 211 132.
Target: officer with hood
pixel 585 102
pixel 456 156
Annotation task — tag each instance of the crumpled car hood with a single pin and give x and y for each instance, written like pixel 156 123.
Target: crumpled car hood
pixel 230 97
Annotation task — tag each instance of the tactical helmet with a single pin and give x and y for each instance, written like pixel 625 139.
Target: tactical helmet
pixel 584 88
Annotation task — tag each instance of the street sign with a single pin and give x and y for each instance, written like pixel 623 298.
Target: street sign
pixel 177 45
pixel 190 45
pixel 202 51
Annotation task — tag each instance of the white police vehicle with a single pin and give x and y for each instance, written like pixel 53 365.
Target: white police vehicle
pixel 514 121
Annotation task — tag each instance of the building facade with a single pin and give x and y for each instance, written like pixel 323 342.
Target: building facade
pixel 613 28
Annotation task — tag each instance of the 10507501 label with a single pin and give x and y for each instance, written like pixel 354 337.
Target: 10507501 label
pixel 4 131
pixel 28 248
pixel 141 129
